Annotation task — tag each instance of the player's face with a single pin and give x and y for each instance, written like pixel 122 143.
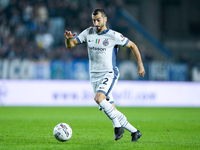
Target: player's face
pixel 99 22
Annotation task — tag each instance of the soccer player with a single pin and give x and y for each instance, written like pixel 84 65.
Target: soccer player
pixel 102 45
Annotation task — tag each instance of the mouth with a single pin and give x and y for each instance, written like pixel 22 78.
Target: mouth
pixel 98 28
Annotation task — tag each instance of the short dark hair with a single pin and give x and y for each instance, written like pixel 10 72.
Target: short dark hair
pixel 99 10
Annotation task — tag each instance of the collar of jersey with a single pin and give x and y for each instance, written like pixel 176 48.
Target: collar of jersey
pixel 103 32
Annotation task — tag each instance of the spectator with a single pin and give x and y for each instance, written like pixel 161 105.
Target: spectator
pixel 30 29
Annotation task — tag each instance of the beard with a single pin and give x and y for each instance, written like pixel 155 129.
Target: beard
pixel 99 28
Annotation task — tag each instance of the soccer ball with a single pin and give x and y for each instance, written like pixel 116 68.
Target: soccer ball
pixel 62 132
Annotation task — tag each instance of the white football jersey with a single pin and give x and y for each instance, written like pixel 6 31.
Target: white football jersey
pixel 102 48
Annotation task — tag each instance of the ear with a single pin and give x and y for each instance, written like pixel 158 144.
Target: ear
pixel 105 19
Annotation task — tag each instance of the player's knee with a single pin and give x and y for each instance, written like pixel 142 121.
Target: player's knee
pixel 99 97
pixel 97 101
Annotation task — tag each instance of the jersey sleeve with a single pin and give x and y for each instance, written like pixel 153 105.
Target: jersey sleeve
pixel 82 37
pixel 120 39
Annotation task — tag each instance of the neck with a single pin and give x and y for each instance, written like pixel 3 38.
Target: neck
pixel 104 28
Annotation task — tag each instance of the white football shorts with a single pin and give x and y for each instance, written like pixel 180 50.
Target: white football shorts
pixel 105 82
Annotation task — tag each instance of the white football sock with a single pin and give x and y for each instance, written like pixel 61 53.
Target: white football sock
pixel 109 111
pixel 124 123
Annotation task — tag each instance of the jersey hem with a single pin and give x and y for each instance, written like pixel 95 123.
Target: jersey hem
pixel 78 40
pixel 126 42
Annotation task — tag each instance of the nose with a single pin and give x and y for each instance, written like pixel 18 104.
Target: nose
pixel 95 23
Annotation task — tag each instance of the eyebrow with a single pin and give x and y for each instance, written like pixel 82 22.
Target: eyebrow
pixel 96 19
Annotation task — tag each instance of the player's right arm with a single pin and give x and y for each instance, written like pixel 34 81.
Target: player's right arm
pixel 69 41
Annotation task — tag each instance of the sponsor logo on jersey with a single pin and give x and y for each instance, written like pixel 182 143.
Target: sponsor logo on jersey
pixel 97 49
pixel 105 42
pixel 97 41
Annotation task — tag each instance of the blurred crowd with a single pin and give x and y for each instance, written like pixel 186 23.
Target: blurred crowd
pixel 34 29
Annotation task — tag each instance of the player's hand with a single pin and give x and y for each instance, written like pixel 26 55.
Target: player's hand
pixel 69 35
pixel 141 70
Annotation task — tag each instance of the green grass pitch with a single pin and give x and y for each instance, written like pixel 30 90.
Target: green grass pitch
pixel 31 128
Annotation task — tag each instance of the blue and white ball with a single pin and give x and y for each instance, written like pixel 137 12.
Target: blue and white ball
pixel 62 132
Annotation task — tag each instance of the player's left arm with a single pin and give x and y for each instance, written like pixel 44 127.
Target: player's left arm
pixel 135 50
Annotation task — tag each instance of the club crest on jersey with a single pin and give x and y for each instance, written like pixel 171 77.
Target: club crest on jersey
pixel 105 42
